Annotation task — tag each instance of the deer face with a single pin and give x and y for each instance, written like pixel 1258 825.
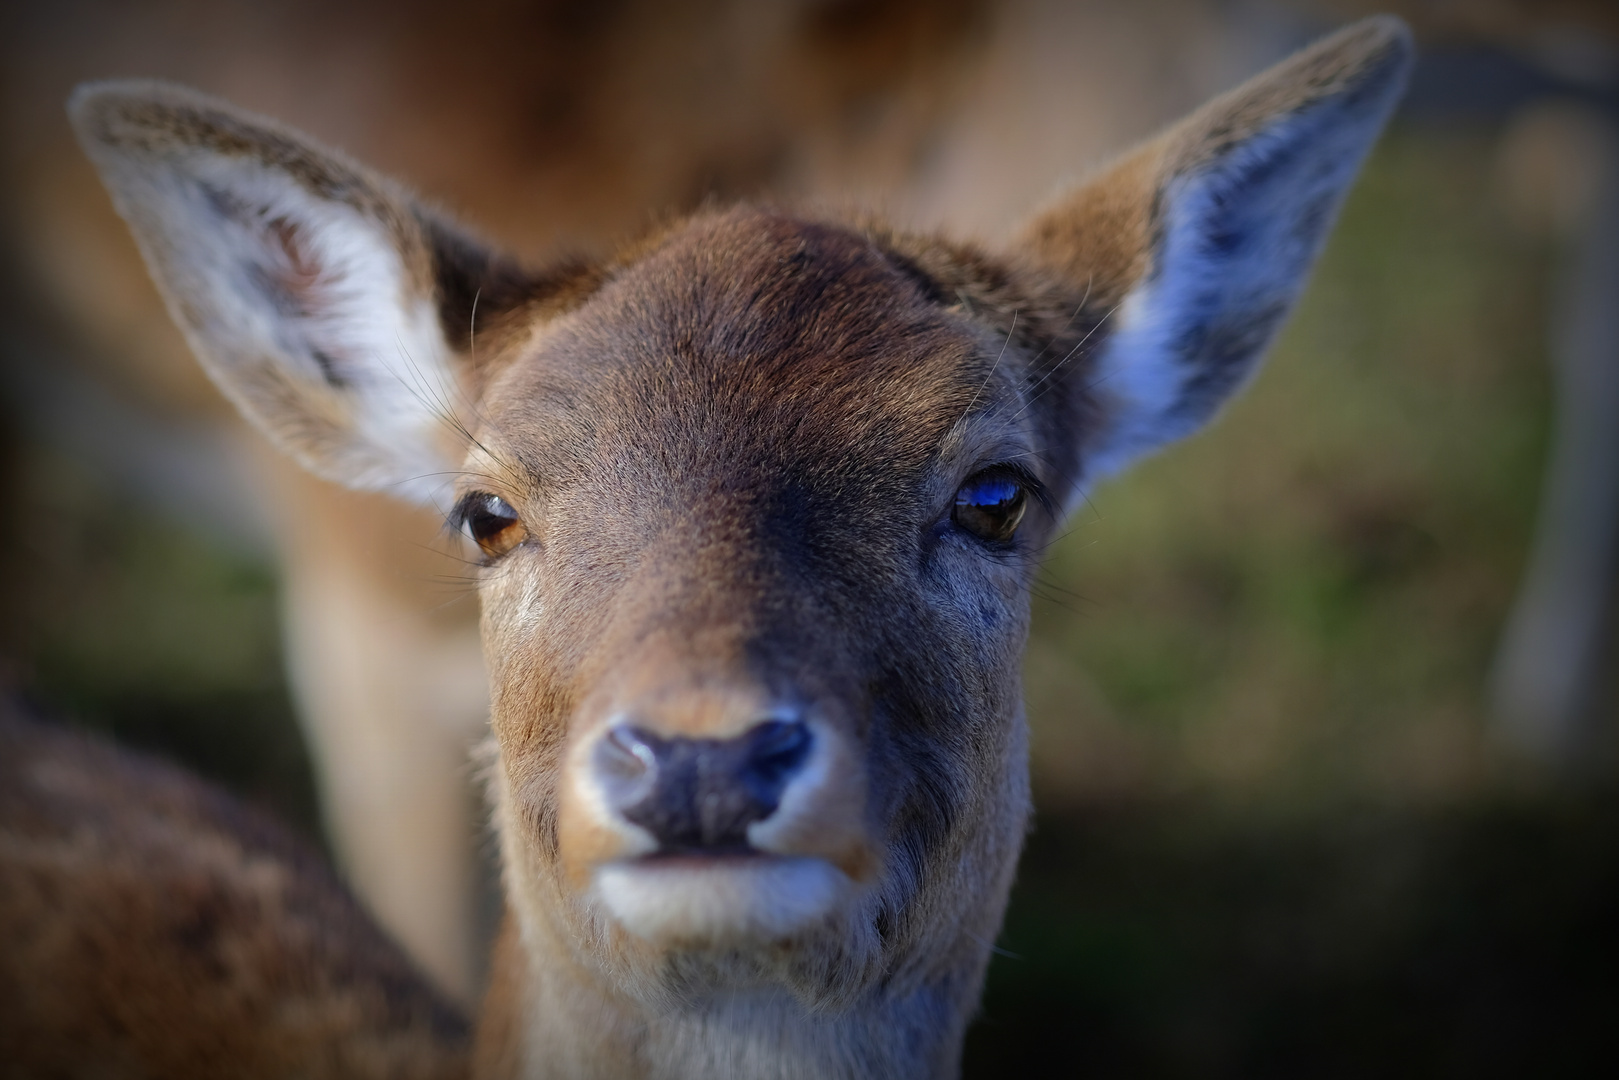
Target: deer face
pixel 758 501
pixel 767 511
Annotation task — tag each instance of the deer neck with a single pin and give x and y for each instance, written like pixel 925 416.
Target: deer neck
pixel 571 1024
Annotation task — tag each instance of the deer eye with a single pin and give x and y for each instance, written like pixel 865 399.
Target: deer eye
pixel 990 507
pixel 491 523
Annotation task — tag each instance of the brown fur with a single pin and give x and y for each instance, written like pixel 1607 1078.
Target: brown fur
pixel 732 454
pixel 152 926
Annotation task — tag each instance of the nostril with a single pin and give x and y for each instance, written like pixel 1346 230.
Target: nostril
pixel 777 750
pixel 632 750
pixel 627 763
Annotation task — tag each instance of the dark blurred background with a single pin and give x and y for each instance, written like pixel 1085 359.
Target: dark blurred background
pixel 1323 700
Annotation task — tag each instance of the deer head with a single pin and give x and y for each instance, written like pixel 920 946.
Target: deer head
pixel 757 504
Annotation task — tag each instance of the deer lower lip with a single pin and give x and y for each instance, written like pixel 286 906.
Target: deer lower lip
pixel 688 898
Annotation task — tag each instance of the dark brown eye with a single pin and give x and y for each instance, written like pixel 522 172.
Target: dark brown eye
pixel 491 522
pixel 990 507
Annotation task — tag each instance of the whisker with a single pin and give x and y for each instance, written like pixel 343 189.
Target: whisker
pixel 1083 300
pixel 433 395
pixel 994 948
pixel 514 475
pixel 1035 390
pixel 992 368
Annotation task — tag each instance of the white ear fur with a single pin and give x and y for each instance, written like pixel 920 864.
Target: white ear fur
pixel 301 282
pixel 1236 237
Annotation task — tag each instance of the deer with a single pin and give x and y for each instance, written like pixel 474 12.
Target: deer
pixel 756 505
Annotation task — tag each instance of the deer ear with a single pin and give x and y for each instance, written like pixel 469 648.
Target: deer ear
pixel 1196 245
pixel 314 293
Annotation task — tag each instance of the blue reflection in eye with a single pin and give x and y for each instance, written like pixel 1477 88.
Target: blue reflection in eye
pixel 988 492
pixel 990 507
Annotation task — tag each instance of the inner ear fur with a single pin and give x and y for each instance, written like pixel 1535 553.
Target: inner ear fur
pixel 329 305
pixel 1183 258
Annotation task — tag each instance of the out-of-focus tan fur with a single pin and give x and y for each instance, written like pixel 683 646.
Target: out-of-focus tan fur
pixel 152 926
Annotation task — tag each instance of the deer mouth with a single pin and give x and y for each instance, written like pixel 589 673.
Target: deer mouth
pixel 721 898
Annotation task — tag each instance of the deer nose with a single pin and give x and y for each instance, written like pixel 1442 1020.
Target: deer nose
pixel 700 795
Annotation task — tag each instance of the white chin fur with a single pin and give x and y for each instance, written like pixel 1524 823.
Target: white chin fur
pixel 720 902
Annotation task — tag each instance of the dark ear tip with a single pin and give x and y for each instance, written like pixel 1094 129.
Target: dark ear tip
pixel 1384 27
pixel 100 110
pixel 1370 60
pixel 1381 42
pixel 113 112
pixel 90 108
pixel 1398 41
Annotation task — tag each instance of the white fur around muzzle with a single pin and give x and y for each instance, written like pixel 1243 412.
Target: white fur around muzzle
pixel 721 902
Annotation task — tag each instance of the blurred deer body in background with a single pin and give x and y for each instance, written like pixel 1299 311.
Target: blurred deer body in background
pixel 151 925
pixel 758 501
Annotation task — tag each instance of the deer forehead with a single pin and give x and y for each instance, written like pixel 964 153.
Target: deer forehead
pixel 750 370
